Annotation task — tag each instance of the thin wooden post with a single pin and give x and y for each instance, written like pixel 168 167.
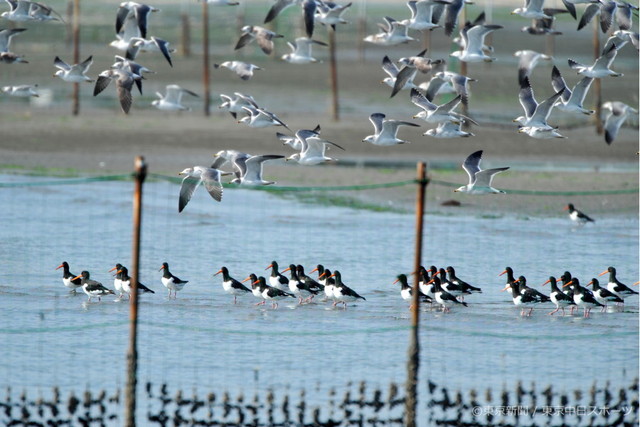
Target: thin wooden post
pixel 413 361
pixel 205 56
pixel 186 35
pixel 132 353
pixel 333 75
pixel 463 65
pixel 597 84
pixel 362 30
pixel 75 109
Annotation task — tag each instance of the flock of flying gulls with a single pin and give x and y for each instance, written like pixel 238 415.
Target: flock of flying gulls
pixel 437 286
pixel 131 38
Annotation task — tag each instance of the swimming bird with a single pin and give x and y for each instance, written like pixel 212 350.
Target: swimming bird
pixel 571 100
pixel 559 298
pixel 172 99
pixel 231 285
pixel 69 279
pixel 153 44
pixel 448 130
pixel 312 148
pixel 601 67
pixel 75 73
pixel 195 176
pixel 473 42
pixel 393 33
pixel 603 295
pixel 171 282
pixel 138 12
pixel 386 130
pixel 263 36
pixel 535 114
pixel 301 51
pixel 125 280
pixel 21 91
pixel 260 118
pixel 576 215
pixel 234 104
pixel 276 279
pixel 615 286
pixel 582 297
pixel 244 70
pixel 342 293
pixel 424 15
pixel 479 179
pixel 398 79
pixel 91 287
pixel 124 83
pixel 249 171
pixel 527 60
pixel 117 281
pixel 618 113
pixel 444 298
pixel 433 113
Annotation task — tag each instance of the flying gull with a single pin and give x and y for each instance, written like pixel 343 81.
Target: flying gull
pixel 172 100
pixel 479 179
pixel 386 130
pixel 195 176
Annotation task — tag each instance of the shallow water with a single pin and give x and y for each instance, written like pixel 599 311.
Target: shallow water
pixel 201 339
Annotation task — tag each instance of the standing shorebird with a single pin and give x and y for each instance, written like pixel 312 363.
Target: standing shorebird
pixel 171 282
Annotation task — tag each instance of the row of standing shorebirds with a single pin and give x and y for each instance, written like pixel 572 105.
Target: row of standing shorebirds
pixel 437 286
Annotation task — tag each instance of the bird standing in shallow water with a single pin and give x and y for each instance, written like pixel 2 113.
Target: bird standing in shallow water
pixel 92 288
pixel 577 216
pixel 171 282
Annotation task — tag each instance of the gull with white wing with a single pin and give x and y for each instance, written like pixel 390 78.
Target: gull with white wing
pixel 479 179
pixel 172 100
pixel 386 130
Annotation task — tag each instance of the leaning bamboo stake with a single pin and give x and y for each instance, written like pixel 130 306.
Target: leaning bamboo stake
pixel 413 361
pixel 597 84
pixel 132 353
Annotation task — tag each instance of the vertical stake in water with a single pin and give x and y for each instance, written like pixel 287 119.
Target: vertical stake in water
pixel 75 109
pixel 132 353
pixel 413 360
pixel 597 84
pixel 205 56
pixel 333 72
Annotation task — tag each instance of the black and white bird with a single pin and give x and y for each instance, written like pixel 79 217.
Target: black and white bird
pixel 577 216
pixel 406 291
pixel 444 298
pixel 91 287
pixel 603 295
pixel 308 12
pixel 76 73
pixel 298 287
pixel 479 179
pixel 242 69
pixel 126 282
pixel 171 282
pixel 301 51
pixel 172 99
pixel 582 297
pixel 524 298
pixel 270 293
pixel 601 67
pixel 461 283
pixel 117 280
pixel 342 293
pixel 559 298
pixel 276 279
pixel 231 285
pixel 138 12
pixel 70 280
pixel 571 100
pixel 124 83
pixel 617 287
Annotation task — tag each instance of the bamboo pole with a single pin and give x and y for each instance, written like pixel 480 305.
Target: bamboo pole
pixel 75 109
pixel 597 84
pixel 333 75
pixel 205 57
pixel 413 361
pixel 185 38
pixel 132 353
